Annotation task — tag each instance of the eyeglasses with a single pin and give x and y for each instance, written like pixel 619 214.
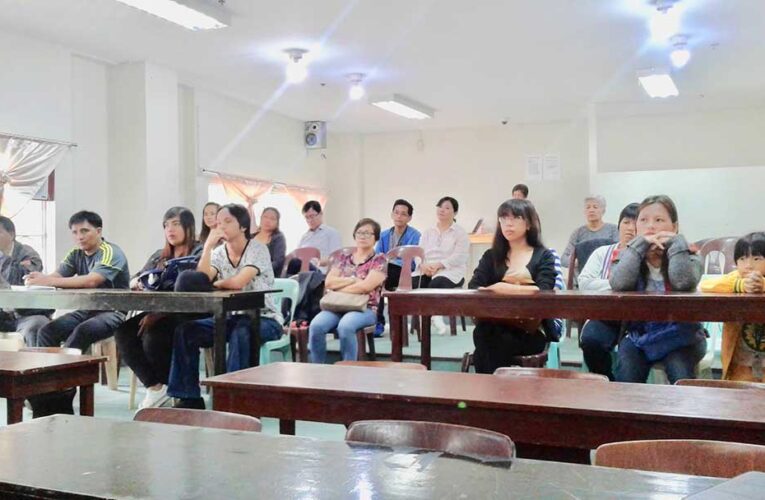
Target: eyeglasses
pixel 363 234
pixel 310 216
pixel 506 220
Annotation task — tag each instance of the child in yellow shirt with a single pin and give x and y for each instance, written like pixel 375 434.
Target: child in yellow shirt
pixel 743 344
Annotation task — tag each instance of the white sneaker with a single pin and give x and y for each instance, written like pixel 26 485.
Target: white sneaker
pixel 438 326
pixel 154 399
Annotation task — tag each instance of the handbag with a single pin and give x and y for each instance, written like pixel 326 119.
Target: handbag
pixel 343 302
pixel 657 339
pixel 163 280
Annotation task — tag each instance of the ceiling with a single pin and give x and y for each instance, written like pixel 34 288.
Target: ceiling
pixel 476 62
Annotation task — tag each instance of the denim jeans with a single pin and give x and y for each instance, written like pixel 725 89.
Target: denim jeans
pixel 633 366
pixel 598 340
pixel 346 323
pixel 190 336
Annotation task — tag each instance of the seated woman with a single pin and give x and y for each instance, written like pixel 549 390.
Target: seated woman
pixel 657 260
pixel 270 235
pixel 743 344
pixel 517 260
pixel 446 249
pixel 598 338
pixel 209 221
pixel 239 264
pixel 595 228
pixel 145 341
pixel 361 272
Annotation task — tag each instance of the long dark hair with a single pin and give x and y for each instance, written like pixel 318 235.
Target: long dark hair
pixel 205 230
pixel 500 247
pixel 278 217
pixel 186 217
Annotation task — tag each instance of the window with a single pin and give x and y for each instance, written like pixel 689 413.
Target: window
pixel 35 226
pixel 291 221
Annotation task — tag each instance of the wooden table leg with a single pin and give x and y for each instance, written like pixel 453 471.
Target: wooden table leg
pixel 302 339
pixel 425 345
pixel 255 338
pixel 219 342
pixel 86 400
pixel 396 339
pixel 287 427
pixel 15 410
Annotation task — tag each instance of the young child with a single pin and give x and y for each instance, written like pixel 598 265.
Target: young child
pixel 743 344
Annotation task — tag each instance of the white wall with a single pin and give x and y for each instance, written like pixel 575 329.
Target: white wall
pixel 476 166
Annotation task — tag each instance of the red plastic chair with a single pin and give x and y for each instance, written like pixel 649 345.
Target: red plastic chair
pixel 306 256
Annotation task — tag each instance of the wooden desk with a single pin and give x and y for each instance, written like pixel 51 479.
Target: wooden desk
pixel 24 374
pixel 669 306
pixel 549 418
pixel 215 303
pixel 46 457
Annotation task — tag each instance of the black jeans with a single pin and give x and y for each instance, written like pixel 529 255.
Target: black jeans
pixel 438 282
pixel 496 344
pixel 80 329
pixel 150 354
pixel 598 339
pixel 391 283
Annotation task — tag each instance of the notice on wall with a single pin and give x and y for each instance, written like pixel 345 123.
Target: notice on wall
pixel 551 167
pixel 533 167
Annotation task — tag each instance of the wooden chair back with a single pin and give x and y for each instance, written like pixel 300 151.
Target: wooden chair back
pixel 384 364
pixel 448 438
pixel 721 384
pixel 680 456
pixel 305 254
pixel 199 418
pixel 408 254
pixel 517 371
pixel 53 350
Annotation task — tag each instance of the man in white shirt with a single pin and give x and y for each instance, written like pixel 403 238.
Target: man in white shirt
pixel 319 235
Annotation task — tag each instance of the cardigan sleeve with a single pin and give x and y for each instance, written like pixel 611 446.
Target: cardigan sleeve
pixel 544 273
pixel 484 274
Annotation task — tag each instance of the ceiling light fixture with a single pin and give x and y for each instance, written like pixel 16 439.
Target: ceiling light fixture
pixel 403 106
pixel 356 91
pixel 665 22
pixel 191 14
pixel 680 54
pixel 296 70
pixel 657 83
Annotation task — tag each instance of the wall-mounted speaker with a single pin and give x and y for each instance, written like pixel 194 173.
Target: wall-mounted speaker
pixel 315 135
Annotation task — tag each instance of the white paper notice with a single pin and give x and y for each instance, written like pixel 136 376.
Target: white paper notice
pixel 551 168
pixel 533 167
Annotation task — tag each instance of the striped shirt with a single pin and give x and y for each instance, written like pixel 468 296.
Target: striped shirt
pixel 109 261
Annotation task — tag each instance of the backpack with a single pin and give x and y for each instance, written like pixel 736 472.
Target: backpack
pixel 163 280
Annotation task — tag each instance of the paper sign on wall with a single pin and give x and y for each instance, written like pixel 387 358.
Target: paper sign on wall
pixel 551 168
pixel 533 167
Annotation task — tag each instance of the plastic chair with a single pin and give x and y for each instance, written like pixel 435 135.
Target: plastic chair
pixel 290 289
pixel 411 256
pixel 384 364
pixel 447 438
pixel 110 371
pixel 306 256
pixel 199 418
pixel 693 457
pixel 720 384
pixel 514 371
pixel 712 250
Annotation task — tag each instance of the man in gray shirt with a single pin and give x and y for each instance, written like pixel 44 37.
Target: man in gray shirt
pixel 319 235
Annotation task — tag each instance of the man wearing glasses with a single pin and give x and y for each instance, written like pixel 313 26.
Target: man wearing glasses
pixel 319 235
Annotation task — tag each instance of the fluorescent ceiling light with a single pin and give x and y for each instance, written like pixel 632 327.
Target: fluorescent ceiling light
pixel 658 83
pixel 404 106
pixel 191 14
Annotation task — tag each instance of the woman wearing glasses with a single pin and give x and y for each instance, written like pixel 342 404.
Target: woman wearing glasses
pixel 359 272
pixel 517 260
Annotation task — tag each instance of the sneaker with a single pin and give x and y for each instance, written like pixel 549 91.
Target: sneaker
pixel 379 330
pixel 191 403
pixel 438 326
pixel 154 399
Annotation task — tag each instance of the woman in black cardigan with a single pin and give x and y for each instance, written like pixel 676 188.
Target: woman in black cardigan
pixel 517 260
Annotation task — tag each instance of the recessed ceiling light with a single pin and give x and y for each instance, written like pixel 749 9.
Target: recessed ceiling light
pixel 191 14
pixel 657 83
pixel 356 91
pixel 403 106
pixel 680 54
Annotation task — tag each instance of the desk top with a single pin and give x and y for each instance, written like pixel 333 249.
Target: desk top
pixel 638 306
pixel 146 460
pixel 651 402
pixel 125 300
pixel 28 363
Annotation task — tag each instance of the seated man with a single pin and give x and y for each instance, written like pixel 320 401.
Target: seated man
pixel 319 235
pixel 16 261
pixel 93 263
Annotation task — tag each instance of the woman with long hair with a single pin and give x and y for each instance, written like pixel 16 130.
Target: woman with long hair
pixel 209 212
pixel 517 260
pixel 270 235
pixel 145 341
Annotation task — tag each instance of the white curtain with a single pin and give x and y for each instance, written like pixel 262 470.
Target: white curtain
pixel 25 164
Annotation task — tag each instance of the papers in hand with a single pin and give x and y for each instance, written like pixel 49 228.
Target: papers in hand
pixel 24 288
